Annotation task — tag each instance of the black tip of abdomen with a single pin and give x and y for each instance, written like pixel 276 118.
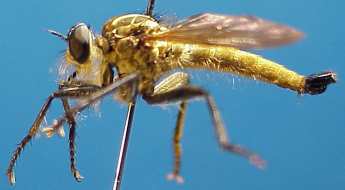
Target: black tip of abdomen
pixel 317 83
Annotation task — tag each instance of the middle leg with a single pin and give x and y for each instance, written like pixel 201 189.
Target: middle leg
pixel 170 83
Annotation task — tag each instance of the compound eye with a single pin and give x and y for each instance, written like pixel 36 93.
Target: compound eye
pixel 79 38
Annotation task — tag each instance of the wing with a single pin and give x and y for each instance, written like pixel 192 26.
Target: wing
pixel 243 32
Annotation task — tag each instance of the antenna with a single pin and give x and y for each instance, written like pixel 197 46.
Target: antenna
pixel 58 34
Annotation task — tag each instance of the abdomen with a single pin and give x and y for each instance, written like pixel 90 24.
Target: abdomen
pixel 231 60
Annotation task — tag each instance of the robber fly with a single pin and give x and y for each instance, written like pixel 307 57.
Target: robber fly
pixel 142 50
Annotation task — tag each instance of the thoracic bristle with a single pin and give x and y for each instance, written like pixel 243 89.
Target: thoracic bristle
pixel 317 83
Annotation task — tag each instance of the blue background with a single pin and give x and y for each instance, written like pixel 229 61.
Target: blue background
pixel 302 138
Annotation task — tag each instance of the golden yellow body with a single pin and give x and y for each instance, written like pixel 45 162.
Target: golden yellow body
pixel 152 58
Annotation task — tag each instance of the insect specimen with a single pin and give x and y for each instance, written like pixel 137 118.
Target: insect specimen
pixel 142 51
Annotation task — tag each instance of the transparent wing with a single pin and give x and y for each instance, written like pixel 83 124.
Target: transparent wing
pixel 242 32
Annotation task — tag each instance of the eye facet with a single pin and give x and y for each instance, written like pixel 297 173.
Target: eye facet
pixel 79 38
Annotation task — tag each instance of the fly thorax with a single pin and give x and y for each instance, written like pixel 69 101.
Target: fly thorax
pixel 126 47
pixel 125 37
pixel 123 53
pixel 129 25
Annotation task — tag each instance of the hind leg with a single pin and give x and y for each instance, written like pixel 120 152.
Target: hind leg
pixel 187 92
